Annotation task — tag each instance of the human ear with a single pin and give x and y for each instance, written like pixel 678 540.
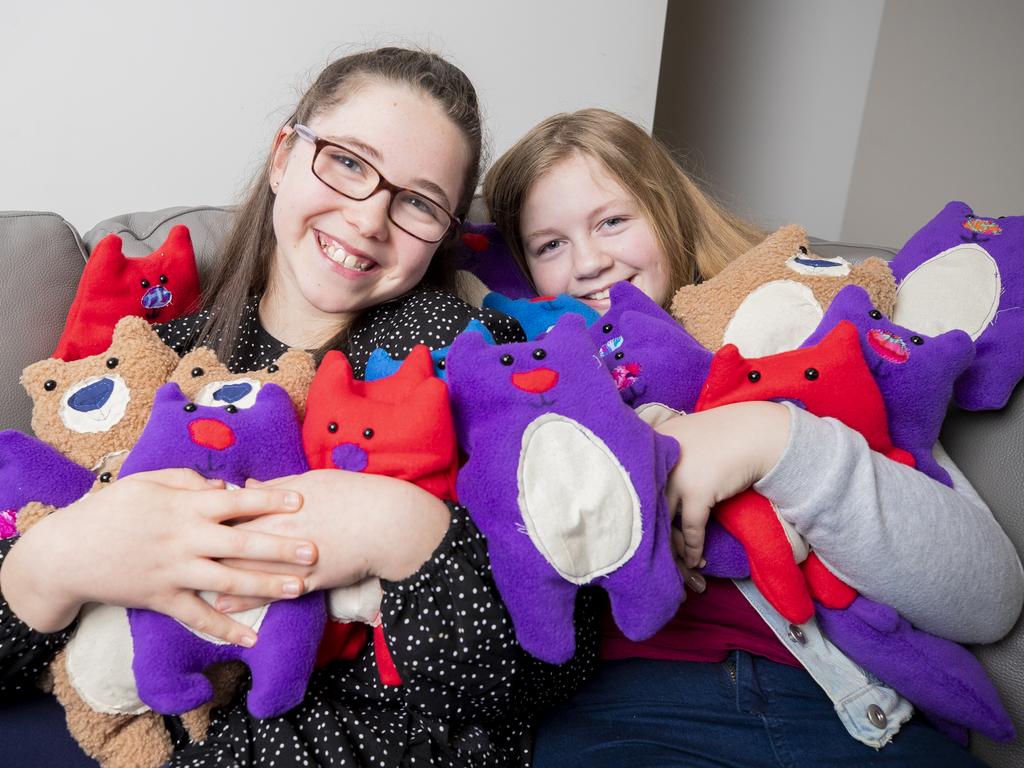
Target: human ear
pixel 279 156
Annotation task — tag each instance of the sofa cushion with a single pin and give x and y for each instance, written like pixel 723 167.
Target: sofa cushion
pixel 41 257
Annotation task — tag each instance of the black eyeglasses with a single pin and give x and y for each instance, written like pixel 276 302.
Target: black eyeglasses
pixel 350 174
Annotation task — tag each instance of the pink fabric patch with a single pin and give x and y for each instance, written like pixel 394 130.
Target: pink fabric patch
pixel 8 523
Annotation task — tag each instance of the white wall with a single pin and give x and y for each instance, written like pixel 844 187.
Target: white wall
pixel 116 106
pixel 944 118
pixel 768 97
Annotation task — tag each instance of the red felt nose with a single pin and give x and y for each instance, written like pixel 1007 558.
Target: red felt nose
pixel 536 381
pixel 210 433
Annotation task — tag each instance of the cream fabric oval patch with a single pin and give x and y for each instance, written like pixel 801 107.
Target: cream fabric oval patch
pixel 775 317
pixel 577 501
pixel 99 661
pixel 958 288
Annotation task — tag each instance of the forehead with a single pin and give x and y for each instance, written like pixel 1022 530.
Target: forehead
pixel 411 136
pixel 578 183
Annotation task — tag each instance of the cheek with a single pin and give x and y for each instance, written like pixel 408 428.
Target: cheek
pixel 550 277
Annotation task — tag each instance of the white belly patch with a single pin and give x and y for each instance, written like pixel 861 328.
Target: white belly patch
pixel 577 501
pixel 775 317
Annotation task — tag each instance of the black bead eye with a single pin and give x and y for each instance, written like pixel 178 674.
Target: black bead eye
pixel 875 314
pixel 49 385
pixel 144 283
pixel 441 364
pixel 811 374
pixel 197 371
pixel 163 279
pixel 112 362
pixel 507 359
pixel 231 408
pixel 916 340
pixel 367 433
pixel 105 477
pixel 189 407
pixel 332 427
pixel 754 376
pixel 272 368
pixel 803 249
pixel 607 327
pixel 619 355
pixel 539 354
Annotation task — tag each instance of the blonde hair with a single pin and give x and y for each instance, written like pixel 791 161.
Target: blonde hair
pixel 697 235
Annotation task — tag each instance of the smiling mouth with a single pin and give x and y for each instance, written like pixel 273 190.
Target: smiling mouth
pixel 336 252
pixel 603 293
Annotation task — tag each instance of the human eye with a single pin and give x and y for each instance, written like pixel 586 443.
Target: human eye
pixel 547 247
pixel 344 162
pixel 613 222
pixel 420 206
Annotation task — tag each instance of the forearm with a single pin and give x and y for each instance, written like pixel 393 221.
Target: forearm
pixel 406 526
pixel 933 553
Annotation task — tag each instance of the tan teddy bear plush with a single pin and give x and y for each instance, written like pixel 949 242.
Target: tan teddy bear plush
pixel 92 676
pixel 772 298
pixel 206 380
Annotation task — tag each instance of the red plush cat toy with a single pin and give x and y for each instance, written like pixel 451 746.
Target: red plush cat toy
pixel 828 379
pixel 158 287
pixel 400 426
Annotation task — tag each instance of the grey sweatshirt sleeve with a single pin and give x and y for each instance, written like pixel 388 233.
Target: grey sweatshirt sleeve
pixel 936 554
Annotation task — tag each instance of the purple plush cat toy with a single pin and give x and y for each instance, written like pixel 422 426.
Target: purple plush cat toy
pixel 31 470
pixel 652 358
pixel 566 482
pixel 941 678
pixel 964 271
pixel 231 444
pixel 914 372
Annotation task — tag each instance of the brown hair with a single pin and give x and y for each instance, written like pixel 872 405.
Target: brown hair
pixel 243 268
pixel 697 235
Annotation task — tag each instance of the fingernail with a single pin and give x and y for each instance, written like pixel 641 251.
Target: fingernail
pixel 696 582
pixel 702 563
pixel 292 588
pixel 248 640
pixel 215 482
pixel 292 500
pixel 304 553
pixel 222 604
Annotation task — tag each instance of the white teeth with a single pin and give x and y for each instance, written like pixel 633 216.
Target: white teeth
pixel 597 295
pixel 339 255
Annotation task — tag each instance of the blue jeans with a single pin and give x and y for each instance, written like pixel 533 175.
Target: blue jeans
pixel 746 712
pixel 33 732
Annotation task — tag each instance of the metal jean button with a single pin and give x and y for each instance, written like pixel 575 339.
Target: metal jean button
pixel 876 716
pixel 797 635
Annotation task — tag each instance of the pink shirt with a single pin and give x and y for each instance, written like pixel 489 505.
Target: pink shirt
pixel 706 627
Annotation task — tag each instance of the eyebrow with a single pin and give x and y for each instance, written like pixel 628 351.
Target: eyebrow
pixel 597 213
pixel 373 154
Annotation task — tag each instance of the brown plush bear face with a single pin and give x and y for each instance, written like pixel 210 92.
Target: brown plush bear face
pixel 207 381
pixel 97 406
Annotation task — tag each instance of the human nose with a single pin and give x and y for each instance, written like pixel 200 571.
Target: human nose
pixel 590 260
pixel 370 216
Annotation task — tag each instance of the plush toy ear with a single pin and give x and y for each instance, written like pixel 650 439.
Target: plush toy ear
pixel 475 326
pixel 178 243
pixel 627 297
pixel 417 366
pixel 168 395
pixel 334 374
pixel 107 255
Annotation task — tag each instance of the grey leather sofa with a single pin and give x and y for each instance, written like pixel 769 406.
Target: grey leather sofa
pixel 41 257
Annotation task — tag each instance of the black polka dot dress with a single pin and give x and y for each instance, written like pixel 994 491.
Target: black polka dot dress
pixel 470 695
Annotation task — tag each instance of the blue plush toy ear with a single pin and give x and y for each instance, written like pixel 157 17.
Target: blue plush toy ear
pixel 475 326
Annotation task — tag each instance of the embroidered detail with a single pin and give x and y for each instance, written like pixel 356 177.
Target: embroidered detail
pixel 8 523
pixel 982 227
pixel 625 375
pixel 889 346
pixel 156 297
pixel 610 346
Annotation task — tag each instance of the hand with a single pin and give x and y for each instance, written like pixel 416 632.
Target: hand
pixel 364 525
pixel 693 579
pixel 153 540
pixel 723 451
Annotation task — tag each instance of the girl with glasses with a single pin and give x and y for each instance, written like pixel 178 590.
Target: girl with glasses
pixel 344 242
pixel 588 199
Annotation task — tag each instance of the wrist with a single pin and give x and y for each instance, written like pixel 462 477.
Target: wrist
pixel 32 586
